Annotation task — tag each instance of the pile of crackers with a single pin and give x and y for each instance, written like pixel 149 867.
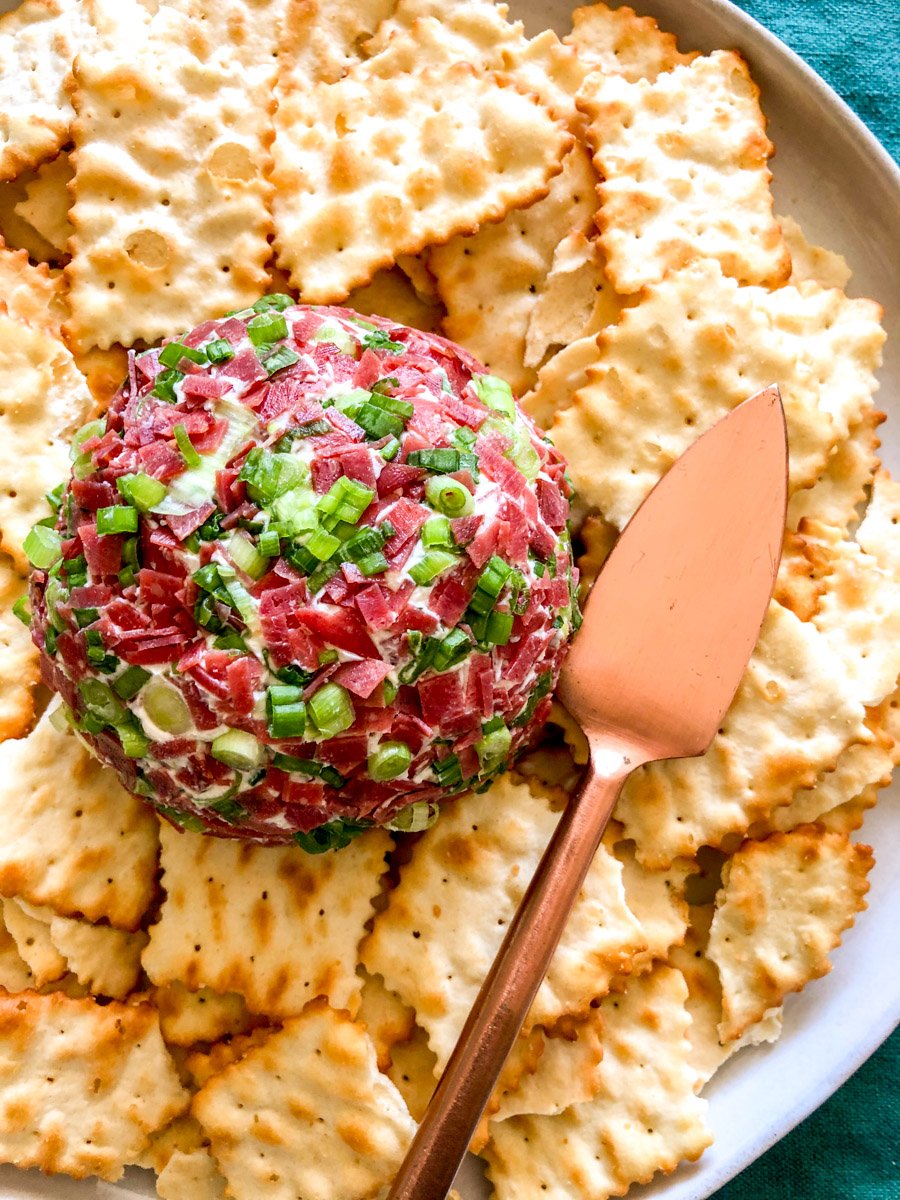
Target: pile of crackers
pixel 590 215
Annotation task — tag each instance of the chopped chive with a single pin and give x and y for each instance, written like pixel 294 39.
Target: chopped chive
pixel 134 741
pixel 322 544
pixel 117 518
pixel 266 328
pixel 449 496
pixel 22 611
pixel 130 682
pixel 306 766
pixel 142 491
pixel 419 815
pixel 433 564
pixel 86 616
pixel 499 628
pixel 275 300
pixel 443 460
pixel 334 835
pixel 186 447
pixel 377 423
pixel 278 359
pixel 42 546
pixel 172 354
pixel 373 564
pixel 452 649
pixel 166 707
pixel 389 760
pixel 331 710
pixel 378 339
pixel 219 351
pixel 237 749
pixel 436 532
pixel 164 385
pixel 269 544
pixel 448 771
pixel 54 498
pixel 246 556
pixel 230 640
pixel 321 575
pixel 390 449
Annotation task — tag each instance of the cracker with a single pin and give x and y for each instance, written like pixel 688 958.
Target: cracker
pixel 477 32
pixel 19 670
pixel 43 400
pixel 598 539
pixel 619 42
pixel 573 735
pixel 46 203
pixel 15 975
pixel 105 960
pixel 684 164
pixel 657 899
pixel 83 1085
pixel 187 1017
pixel 33 941
pixel 849 788
pixel 71 837
pixel 576 300
pixel 645 1117
pixel 104 372
pixel 793 716
pixel 558 381
pixel 322 38
pixel 436 940
pixel 783 906
pixel 489 283
pixel 307 1114
pixel 192 1176
pixel 270 922
pixel 704 1002
pixel 843 484
pixel 809 261
pixel 878 533
pixel 697 345
pixel 202 1064
pixel 181 146
pixel 415 268
pixel 368 169
pixel 181 1135
pixel 37 44
pixel 31 293
pixel 387 1020
pixel 859 609
pixel 412 1071
pixel 390 294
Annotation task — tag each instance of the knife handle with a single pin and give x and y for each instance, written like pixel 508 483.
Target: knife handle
pixel 430 1166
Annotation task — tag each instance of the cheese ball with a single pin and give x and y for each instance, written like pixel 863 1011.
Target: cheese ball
pixel 311 573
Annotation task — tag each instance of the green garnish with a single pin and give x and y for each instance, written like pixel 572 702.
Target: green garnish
pixel 219 351
pixel 142 491
pixel 390 760
pixel 117 518
pixel 237 749
pixel 172 354
pixel 331 710
pixel 334 835
pixel 42 546
pixel 449 496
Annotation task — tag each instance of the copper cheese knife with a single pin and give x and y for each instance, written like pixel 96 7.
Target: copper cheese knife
pixel 667 633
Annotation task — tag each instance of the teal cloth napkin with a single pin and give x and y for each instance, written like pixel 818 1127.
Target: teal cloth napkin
pixel 849 1149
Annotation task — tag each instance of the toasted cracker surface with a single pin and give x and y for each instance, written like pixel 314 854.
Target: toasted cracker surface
pixel 38 41
pixel 783 906
pixel 811 262
pixel 31 293
pixel 272 923
pixel 71 837
pixel 192 1176
pixel 792 717
pixel 103 959
pixel 644 1118
pixel 695 346
pixel 307 1114
pixel 46 203
pixel 489 283
pixel 33 941
pixel 617 41
pixel 391 294
pixel 559 380
pixel 851 467
pixel 368 169
pixel 83 1085
pixel 43 400
pixel 684 167
pixel 181 144
pixel 19 670
pixel 15 975
pixel 322 38
pixel 436 939
pixel 186 1017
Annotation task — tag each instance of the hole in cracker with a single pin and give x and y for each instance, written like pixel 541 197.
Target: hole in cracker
pixel 147 248
pixel 231 161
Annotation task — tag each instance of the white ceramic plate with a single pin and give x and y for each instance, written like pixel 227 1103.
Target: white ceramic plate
pixel 833 176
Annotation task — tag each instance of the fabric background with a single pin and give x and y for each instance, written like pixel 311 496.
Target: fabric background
pixel 850 1148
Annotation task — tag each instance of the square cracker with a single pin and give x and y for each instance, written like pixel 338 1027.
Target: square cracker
pixel 19 670
pixel 369 169
pixel 781 910
pixel 322 38
pixel 83 1086
pixel 32 294
pixel 38 42
pixel 694 347
pixel 181 144
pixel 617 41
pixel 187 1017
pixel 32 938
pixel 794 714
pixel 811 262
pixel 71 837
pixel 436 940
pixel 684 164
pixel 845 480
pixel 46 203
pixel 105 960
pixel 43 400
pixel 644 1118
pixel 273 923
pixel 307 1114
pixel 490 282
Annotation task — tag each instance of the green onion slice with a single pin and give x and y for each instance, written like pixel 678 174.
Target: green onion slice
pixel 186 447
pixel 237 749
pixel 331 710
pixel 449 496
pixel 390 760
pixel 117 518
pixel 42 546
pixel 142 491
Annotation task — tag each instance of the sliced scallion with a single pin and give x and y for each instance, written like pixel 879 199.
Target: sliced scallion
pixel 22 611
pixel 331 710
pixel 140 490
pixel 415 817
pixel 496 394
pixel 246 556
pixel 433 564
pixel 172 354
pixel 130 682
pixel 390 760
pixel 449 496
pixel 186 447
pixel 219 351
pixel 237 749
pixel 42 546
pixel 266 328
pixel 166 708
pixel 117 518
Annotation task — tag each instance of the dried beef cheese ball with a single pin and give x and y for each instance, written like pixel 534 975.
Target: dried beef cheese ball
pixel 310 573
